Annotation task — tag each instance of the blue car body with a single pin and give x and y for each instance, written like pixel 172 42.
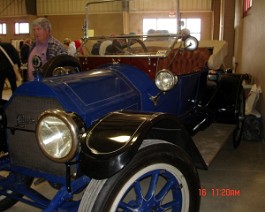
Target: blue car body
pixel 110 88
pixel 109 100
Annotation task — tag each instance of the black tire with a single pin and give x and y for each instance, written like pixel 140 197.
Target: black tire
pixel 6 202
pixel 173 183
pixel 70 63
pixel 240 118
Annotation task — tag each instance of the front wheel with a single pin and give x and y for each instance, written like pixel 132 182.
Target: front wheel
pixel 160 177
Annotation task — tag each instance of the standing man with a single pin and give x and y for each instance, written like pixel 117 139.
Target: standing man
pixel 45 45
pixel 185 33
pixel 6 68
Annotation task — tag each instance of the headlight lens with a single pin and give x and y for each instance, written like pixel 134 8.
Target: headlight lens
pixel 58 134
pixel 165 80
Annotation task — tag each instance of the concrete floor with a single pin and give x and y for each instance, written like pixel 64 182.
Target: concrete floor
pixel 242 173
pixel 235 181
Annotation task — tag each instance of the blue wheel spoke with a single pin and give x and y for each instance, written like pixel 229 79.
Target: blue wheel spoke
pixel 152 185
pixel 134 203
pixel 125 206
pixel 172 204
pixel 166 188
pixel 138 192
pixel 153 200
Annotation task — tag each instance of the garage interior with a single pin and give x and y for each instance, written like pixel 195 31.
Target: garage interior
pixel 235 180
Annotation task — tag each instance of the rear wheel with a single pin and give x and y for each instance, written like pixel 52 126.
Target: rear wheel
pixel 240 117
pixel 160 177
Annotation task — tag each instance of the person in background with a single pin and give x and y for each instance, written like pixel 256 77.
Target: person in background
pixel 20 44
pixel 78 46
pixel 114 48
pixel 117 46
pixel 6 69
pixel 45 45
pixel 24 55
pixel 25 50
pixel 70 46
pixel 103 46
pixel 96 47
pixel 151 32
pixel 185 33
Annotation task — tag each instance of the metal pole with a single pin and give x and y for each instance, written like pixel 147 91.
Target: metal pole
pixel 178 17
pixel 222 17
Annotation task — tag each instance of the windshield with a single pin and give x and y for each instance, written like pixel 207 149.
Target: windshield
pixel 122 45
pixel 129 40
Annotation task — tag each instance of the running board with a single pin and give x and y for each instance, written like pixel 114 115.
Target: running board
pixel 211 140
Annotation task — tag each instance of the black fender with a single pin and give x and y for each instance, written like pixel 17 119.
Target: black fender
pixel 62 60
pixel 224 100
pixel 113 141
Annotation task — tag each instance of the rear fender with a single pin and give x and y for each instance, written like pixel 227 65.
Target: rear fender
pixel 224 100
pixel 115 139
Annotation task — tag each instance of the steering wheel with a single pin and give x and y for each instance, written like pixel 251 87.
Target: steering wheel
pixel 61 65
pixel 136 40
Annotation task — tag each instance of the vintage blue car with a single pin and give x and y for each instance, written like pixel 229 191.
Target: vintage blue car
pixel 120 131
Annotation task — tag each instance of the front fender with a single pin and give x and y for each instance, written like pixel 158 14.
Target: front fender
pixel 115 139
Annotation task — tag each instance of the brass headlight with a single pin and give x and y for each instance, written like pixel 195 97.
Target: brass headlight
pixel 58 134
pixel 165 80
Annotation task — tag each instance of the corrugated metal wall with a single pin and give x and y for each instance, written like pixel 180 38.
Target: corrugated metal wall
pixel 169 5
pixel 55 7
pixel 65 7
pixel 12 8
pixel 195 5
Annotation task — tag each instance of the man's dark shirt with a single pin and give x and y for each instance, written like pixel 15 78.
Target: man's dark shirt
pixel 24 53
pixel 13 54
pixel 6 69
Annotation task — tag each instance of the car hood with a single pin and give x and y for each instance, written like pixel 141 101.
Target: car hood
pixel 91 94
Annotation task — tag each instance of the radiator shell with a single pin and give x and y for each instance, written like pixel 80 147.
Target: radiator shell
pixel 22 115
